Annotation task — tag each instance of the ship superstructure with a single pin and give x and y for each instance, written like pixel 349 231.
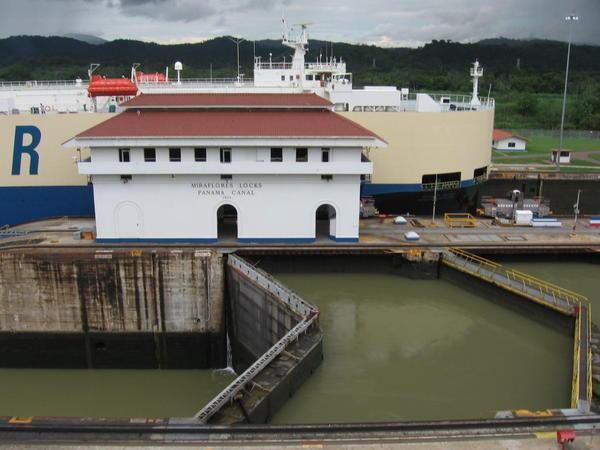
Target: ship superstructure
pixel 437 142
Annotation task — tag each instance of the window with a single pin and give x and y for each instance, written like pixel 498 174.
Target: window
pixel 124 155
pixel 225 155
pixel 150 154
pixel 282 77
pixel 226 177
pixel 309 77
pixel 276 155
pixel 291 78
pixel 327 177
pixel 325 155
pixel 175 154
pixel 301 155
pixel 200 154
pixel 511 145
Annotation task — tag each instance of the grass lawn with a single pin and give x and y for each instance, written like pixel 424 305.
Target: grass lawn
pixel 532 160
pixel 538 150
pixel 595 156
pixel 564 168
pixel 546 144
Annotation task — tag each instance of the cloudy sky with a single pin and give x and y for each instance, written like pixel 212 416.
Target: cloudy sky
pixel 381 22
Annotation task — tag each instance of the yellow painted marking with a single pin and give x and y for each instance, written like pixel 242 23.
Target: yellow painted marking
pixel 312 445
pixel 546 435
pixel 17 419
pixel 528 413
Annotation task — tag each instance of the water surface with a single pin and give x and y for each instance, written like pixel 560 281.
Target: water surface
pixel 402 349
pixel 108 393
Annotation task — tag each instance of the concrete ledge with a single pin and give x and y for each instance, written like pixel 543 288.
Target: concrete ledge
pixel 156 240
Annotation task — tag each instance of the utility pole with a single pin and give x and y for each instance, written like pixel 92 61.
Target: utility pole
pixel 570 19
pixel 434 200
pixel 576 209
pixel 237 42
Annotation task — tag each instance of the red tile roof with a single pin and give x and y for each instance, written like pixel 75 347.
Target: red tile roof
pixel 178 123
pixel 499 134
pixel 211 100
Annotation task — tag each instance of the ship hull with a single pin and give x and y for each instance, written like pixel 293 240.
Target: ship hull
pixel 410 199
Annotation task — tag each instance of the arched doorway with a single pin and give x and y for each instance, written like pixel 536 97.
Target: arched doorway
pixel 227 226
pixel 128 220
pixel 325 222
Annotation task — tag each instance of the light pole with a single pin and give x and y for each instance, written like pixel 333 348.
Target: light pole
pixel 237 42
pixel 576 209
pixel 572 18
pixel 434 200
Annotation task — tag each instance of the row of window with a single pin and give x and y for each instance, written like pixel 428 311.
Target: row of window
pixel 225 155
pixel 308 77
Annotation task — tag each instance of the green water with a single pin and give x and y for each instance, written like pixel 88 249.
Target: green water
pixel 401 349
pixel 108 393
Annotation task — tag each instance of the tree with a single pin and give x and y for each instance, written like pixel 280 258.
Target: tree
pixel 527 105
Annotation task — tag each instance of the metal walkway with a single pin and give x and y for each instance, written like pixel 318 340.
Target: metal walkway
pixel 308 313
pixel 547 294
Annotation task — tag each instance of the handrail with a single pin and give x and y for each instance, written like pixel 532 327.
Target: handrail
pixel 572 298
pixel 441 185
pixel 265 359
pixel 308 313
pixel 576 362
pixel 590 381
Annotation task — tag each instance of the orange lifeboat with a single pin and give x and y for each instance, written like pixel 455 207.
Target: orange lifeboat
pixel 111 87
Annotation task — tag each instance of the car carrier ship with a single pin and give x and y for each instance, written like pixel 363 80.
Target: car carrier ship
pixel 438 143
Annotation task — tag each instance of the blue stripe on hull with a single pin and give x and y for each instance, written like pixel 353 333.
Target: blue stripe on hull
pixel 20 204
pixel 276 240
pixel 155 241
pixel 380 188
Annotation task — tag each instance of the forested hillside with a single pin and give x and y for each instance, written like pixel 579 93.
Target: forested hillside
pixel 515 70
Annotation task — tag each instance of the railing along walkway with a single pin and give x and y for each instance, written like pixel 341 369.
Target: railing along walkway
pixel 539 291
pixel 562 300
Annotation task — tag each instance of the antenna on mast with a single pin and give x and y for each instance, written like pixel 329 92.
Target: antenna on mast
pixel 284 26
pixel 134 67
pixel 92 69
pixel 476 74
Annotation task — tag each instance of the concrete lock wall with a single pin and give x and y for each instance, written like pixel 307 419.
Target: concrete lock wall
pixel 257 319
pixel 117 309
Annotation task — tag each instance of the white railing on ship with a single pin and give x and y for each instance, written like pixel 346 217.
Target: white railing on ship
pixel 327 67
pixel 463 101
pixel 201 82
pixel 42 84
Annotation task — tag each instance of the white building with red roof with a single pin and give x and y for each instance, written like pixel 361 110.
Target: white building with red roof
pixel 507 141
pixel 199 167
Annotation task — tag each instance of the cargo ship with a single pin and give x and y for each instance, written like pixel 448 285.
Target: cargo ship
pixel 437 143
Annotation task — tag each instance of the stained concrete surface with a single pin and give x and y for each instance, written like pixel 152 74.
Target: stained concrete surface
pixel 546 442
